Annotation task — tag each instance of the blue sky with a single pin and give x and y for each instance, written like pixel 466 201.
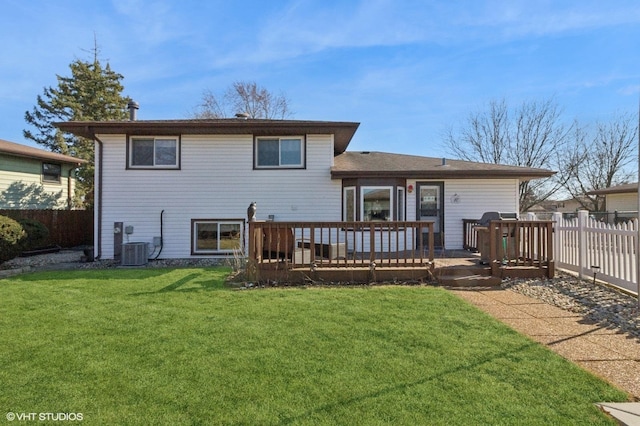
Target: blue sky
pixel 406 70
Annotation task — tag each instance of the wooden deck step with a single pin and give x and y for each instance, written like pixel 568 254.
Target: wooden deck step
pixel 462 270
pixel 466 276
pixel 469 280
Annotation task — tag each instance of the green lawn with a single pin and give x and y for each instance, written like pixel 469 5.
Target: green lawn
pixel 173 346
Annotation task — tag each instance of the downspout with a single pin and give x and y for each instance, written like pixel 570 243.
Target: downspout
pixel 97 201
pixel 69 189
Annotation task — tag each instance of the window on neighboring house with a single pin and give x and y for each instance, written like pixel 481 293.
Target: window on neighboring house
pixel 51 172
pixel 285 152
pixel 150 152
pixel 210 236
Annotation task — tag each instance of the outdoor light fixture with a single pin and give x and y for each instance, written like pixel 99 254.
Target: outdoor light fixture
pixel 410 189
pixel 595 269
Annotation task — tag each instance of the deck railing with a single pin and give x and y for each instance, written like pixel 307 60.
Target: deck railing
pixel 341 244
pixel 522 244
pixel 469 234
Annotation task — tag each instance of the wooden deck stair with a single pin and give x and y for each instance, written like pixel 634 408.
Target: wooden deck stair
pixel 466 276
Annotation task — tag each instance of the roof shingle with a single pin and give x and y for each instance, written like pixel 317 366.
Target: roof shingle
pixel 382 164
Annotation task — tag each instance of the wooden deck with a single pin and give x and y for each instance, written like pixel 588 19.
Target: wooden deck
pixel 339 253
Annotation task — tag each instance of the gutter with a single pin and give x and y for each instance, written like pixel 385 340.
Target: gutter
pixel 69 189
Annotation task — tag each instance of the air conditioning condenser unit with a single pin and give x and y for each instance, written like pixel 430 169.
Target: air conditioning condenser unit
pixel 135 254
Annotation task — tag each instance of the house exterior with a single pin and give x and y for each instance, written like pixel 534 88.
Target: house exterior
pixel 545 209
pixel 184 186
pixel 32 178
pixel 621 201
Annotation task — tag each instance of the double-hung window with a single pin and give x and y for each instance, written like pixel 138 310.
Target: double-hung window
pixel 51 173
pixel 284 152
pixel 154 152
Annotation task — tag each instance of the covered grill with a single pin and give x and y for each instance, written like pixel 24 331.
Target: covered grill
pixel 487 217
pixel 507 244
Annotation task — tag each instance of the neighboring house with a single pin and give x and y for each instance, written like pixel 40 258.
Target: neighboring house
pixel 190 182
pixel 32 178
pixel 547 207
pixel 621 201
pixel 572 205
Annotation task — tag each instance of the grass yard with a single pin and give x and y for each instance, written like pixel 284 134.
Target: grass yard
pixel 173 346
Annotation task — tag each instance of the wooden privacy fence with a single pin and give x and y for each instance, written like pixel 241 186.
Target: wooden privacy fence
pixel 67 228
pixel 586 245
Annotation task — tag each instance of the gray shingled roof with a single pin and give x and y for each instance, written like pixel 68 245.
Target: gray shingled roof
pixel 342 131
pixel 618 189
pixel 18 150
pixel 382 164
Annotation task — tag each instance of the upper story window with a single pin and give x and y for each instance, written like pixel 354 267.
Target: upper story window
pixel 285 152
pixel 154 152
pixel 51 172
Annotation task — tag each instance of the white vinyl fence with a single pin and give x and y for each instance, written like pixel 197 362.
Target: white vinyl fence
pixel 585 245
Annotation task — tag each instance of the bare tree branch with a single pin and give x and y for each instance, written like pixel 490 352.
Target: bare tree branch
pixel 243 97
pixel 532 135
pixel 604 159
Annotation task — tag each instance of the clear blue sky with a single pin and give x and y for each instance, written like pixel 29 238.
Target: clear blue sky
pixel 406 70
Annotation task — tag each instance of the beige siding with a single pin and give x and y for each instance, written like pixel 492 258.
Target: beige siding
pixel 19 177
pixel 216 181
pixel 622 202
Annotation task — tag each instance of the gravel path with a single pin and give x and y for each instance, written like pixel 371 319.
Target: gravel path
pixel 600 303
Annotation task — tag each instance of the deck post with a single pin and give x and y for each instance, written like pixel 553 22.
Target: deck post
pixel 255 246
pixel 493 249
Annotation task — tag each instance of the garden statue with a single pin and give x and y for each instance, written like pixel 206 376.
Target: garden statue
pixel 251 211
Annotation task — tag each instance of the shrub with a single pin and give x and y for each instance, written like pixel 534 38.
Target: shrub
pixel 11 235
pixel 36 234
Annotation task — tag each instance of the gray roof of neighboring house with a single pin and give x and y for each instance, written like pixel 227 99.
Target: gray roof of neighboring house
pixel 618 189
pixel 18 150
pixel 342 131
pixel 382 164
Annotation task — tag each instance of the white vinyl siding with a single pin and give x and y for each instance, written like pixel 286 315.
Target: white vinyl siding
pixel 217 180
pixel 469 199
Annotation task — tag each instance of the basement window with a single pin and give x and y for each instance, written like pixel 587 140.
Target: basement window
pixel 211 236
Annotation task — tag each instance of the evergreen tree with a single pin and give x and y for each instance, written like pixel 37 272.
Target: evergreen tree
pixel 92 93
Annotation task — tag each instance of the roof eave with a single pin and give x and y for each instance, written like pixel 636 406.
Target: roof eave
pixel 442 174
pixel 59 158
pixel 343 131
